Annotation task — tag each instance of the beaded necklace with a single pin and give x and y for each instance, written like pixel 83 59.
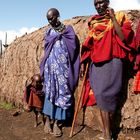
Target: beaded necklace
pixel 60 28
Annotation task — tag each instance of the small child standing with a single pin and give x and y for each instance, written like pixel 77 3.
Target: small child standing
pixel 34 97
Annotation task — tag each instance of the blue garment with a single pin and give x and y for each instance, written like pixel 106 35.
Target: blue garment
pixel 55 112
pixel 57 89
pixel 73 48
pixel 60 69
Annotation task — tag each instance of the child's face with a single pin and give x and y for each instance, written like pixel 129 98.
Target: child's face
pixel 36 81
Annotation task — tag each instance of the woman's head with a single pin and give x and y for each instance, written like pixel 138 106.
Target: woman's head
pixel 53 17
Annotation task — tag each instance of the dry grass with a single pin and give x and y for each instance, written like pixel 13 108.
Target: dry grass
pixel 6 105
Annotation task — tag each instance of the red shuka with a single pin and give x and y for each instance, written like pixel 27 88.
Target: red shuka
pixel 102 42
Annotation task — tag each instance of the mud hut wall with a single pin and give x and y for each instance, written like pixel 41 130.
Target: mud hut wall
pixel 18 63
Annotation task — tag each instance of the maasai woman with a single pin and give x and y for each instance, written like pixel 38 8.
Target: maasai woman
pixel 60 70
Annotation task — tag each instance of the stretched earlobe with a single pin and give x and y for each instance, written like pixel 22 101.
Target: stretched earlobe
pixel 58 18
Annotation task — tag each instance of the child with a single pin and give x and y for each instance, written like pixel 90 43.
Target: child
pixel 34 97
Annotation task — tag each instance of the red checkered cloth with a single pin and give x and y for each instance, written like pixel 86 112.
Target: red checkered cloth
pixel 136 86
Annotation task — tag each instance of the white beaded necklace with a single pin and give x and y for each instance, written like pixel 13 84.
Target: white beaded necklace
pixel 60 28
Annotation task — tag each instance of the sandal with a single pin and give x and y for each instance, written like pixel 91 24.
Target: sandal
pixel 47 128
pixel 57 131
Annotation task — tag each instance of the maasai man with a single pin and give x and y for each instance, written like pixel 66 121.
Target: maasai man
pixel 60 70
pixel 136 86
pixel 109 40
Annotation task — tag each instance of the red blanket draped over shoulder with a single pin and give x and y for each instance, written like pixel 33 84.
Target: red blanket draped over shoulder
pixel 102 42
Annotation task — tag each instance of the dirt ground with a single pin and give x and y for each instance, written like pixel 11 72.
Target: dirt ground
pixel 20 127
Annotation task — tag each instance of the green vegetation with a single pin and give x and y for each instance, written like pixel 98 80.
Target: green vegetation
pixel 6 105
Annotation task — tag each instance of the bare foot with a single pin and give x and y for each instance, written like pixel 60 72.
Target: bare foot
pixel 42 123
pixel 35 125
pixel 47 128
pixel 101 136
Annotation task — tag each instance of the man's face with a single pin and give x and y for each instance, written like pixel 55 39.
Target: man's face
pixel 101 6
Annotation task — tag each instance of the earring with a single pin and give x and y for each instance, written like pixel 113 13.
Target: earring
pixel 58 19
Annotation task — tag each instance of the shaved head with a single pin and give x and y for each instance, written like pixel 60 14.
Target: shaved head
pixel 54 12
pixel 36 77
pixel 53 17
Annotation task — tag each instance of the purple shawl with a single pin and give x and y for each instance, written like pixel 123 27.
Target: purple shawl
pixel 73 48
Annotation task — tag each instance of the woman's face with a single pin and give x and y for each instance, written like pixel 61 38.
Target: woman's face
pixel 53 18
pixel 101 6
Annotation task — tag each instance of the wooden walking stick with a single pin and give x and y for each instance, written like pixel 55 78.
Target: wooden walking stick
pixel 78 102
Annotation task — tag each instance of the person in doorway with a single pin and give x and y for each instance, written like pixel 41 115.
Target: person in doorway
pixel 60 71
pixel 110 40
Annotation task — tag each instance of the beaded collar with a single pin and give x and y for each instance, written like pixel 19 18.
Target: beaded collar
pixel 60 28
